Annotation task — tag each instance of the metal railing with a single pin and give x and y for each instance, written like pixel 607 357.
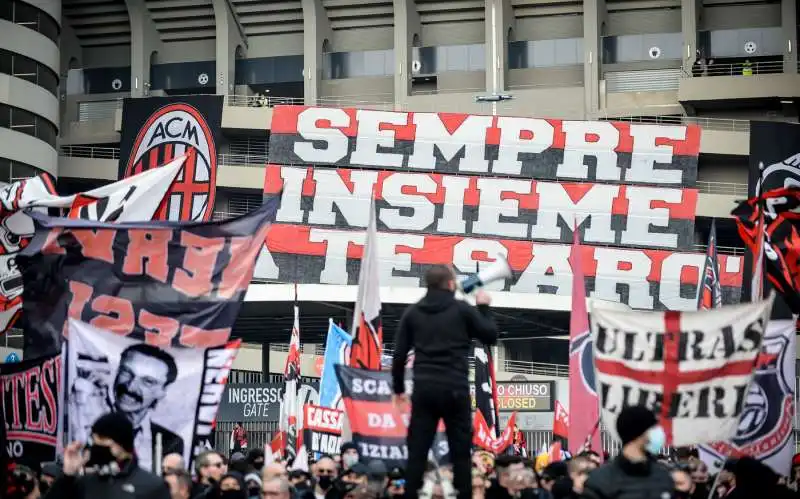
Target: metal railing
pixel 260 100
pixel 727 188
pixel 734 69
pixel 722 250
pixel 535 368
pixel 724 124
pixel 92 152
pixel 254 160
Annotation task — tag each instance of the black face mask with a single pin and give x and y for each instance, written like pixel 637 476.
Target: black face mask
pixel 680 494
pixel 99 455
pixel 43 488
pixel 325 482
pixel 258 465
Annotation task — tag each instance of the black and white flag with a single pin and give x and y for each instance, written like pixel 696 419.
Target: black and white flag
pixel 171 395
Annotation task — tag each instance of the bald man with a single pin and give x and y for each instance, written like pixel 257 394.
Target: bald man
pixel 274 470
pixel 172 462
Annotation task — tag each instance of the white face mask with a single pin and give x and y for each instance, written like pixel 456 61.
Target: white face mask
pixel 349 460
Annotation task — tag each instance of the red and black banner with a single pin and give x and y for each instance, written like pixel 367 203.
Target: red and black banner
pixel 322 429
pixel 29 395
pixel 432 203
pixel 163 282
pixel 710 293
pixel 602 151
pixel 158 129
pixel 379 428
pixel 486 389
pixel 643 279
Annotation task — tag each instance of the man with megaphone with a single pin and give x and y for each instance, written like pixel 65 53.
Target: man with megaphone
pixel 440 329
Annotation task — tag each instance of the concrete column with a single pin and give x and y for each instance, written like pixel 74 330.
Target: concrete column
pixel 265 362
pixel 594 14
pixel 691 11
pixel 406 25
pixel 316 30
pixel 144 41
pixel 230 35
pixel 499 18
pixel 789 25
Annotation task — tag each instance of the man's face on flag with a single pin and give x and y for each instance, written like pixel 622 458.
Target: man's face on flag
pixel 140 383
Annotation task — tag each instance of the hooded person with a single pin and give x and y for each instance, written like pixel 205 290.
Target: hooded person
pixel 634 473
pixel 350 455
pixel 230 486
pixel 109 466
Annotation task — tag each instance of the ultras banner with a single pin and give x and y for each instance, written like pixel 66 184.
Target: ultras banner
pixel 29 394
pixel 607 214
pixel 692 368
pixel 640 278
pixel 631 153
pixel 135 198
pixel 378 428
pixel 156 130
pixel 169 394
pixel 322 430
pixel 162 282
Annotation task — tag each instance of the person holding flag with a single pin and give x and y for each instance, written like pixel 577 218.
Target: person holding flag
pixel 440 329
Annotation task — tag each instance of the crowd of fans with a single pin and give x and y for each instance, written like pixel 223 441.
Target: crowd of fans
pixel 639 471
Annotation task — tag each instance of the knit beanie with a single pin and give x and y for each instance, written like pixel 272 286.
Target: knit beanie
pixel 117 427
pixel 348 446
pixel 633 422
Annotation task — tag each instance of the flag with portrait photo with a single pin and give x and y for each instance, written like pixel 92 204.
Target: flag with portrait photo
pixel 169 394
pixel 693 369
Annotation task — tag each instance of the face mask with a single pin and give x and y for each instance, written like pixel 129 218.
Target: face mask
pixel 232 494
pixel 258 465
pixel 99 455
pixel 43 488
pixel 656 438
pixel 349 460
pixel 324 482
pixel 680 494
pixel 254 492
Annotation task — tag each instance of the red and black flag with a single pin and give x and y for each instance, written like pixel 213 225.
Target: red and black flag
pixel 710 293
pixel 486 389
pixel 367 330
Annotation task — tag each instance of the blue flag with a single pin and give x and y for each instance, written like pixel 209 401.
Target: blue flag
pixel 336 352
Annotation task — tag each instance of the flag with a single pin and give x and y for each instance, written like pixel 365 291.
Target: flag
pixel 337 345
pixel 692 368
pixel 167 283
pixel 367 331
pixel 322 429
pixel 582 392
pixel 560 422
pixel 135 198
pixel 291 377
pixel 482 436
pixel 169 394
pixel 486 389
pixel 709 293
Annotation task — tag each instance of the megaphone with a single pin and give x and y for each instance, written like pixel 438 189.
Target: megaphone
pixel 497 270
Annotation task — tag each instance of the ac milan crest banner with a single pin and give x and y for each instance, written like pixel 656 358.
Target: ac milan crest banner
pixel 162 282
pixel 29 398
pixel 378 428
pixel 170 395
pixel 693 369
pixel 158 129
pixel 322 429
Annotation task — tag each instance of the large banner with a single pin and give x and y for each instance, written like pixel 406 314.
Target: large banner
pixel 29 394
pixel 639 278
pixel 157 129
pixel 169 394
pixel 694 369
pixel 162 282
pixel 431 203
pixel 379 429
pixel 135 198
pixel 601 151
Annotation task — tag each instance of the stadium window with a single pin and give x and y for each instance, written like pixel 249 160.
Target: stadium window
pixel 26 122
pixel 27 15
pixel 12 171
pixel 23 67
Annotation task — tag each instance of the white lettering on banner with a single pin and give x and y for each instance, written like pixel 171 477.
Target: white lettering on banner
pixel 546 268
pixel 325 444
pixel 389 452
pixel 255 410
pixel 323 418
pixel 218 366
pixel 385 420
pixel 342 197
pixel 375 387
pixel 254 395
pixel 692 368
pixel 462 141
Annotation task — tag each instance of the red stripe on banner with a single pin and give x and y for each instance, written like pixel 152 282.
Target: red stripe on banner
pixel 672 368
pixel 439 250
pixel 529 200
pixel 33 437
pixel 377 419
pixel 285 121
pixel 169 152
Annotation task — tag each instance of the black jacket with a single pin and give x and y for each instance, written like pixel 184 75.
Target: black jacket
pixel 440 329
pixel 131 482
pixel 622 479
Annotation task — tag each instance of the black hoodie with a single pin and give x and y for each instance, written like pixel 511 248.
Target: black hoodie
pixel 440 329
